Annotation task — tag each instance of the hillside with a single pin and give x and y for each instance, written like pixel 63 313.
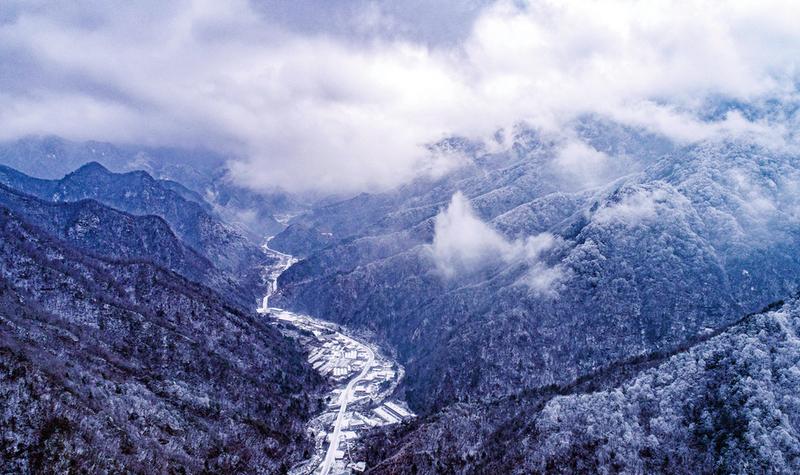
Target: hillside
pixel 199 175
pixel 240 260
pixel 726 404
pixel 670 246
pixel 120 365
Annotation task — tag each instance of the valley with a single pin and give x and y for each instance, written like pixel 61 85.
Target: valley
pixel 399 238
pixel 363 381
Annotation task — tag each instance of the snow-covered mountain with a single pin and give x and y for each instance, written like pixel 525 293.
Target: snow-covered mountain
pixel 120 365
pixel 238 258
pixel 534 278
pixel 521 292
pixel 724 404
pixel 198 175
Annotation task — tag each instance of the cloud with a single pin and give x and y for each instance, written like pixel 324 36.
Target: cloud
pixel 464 244
pixel 580 164
pixel 634 208
pixel 315 109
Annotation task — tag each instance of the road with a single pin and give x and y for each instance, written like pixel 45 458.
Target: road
pixel 346 398
pixel 331 351
pixel 347 395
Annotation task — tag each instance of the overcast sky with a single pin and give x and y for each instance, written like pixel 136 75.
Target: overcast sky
pixel 343 95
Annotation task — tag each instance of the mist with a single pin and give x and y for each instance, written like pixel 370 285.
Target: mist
pixel 463 244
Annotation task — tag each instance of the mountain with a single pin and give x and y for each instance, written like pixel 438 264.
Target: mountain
pixel 261 213
pixel 99 230
pixel 198 175
pixel 299 239
pixel 139 194
pixel 53 157
pixel 564 302
pixel 674 242
pixel 120 365
pixel 725 404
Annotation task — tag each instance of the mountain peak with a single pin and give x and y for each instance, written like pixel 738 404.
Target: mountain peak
pixel 92 167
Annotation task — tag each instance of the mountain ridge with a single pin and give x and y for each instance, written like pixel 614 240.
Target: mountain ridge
pixel 516 434
pixel 137 193
pixel 182 376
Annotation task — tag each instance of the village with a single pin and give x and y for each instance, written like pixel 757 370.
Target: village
pixel 363 381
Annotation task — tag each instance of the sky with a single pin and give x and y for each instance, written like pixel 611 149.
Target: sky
pixel 343 96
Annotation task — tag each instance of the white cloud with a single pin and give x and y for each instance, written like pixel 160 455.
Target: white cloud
pixel 581 165
pixel 543 280
pixel 464 244
pixel 633 209
pixel 332 113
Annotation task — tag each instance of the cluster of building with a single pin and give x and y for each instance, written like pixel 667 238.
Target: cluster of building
pixel 341 358
pixel 338 357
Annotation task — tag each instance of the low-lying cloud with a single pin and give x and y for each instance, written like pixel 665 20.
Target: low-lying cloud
pixel 579 164
pixel 325 111
pixel 464 244
pixel 633 209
